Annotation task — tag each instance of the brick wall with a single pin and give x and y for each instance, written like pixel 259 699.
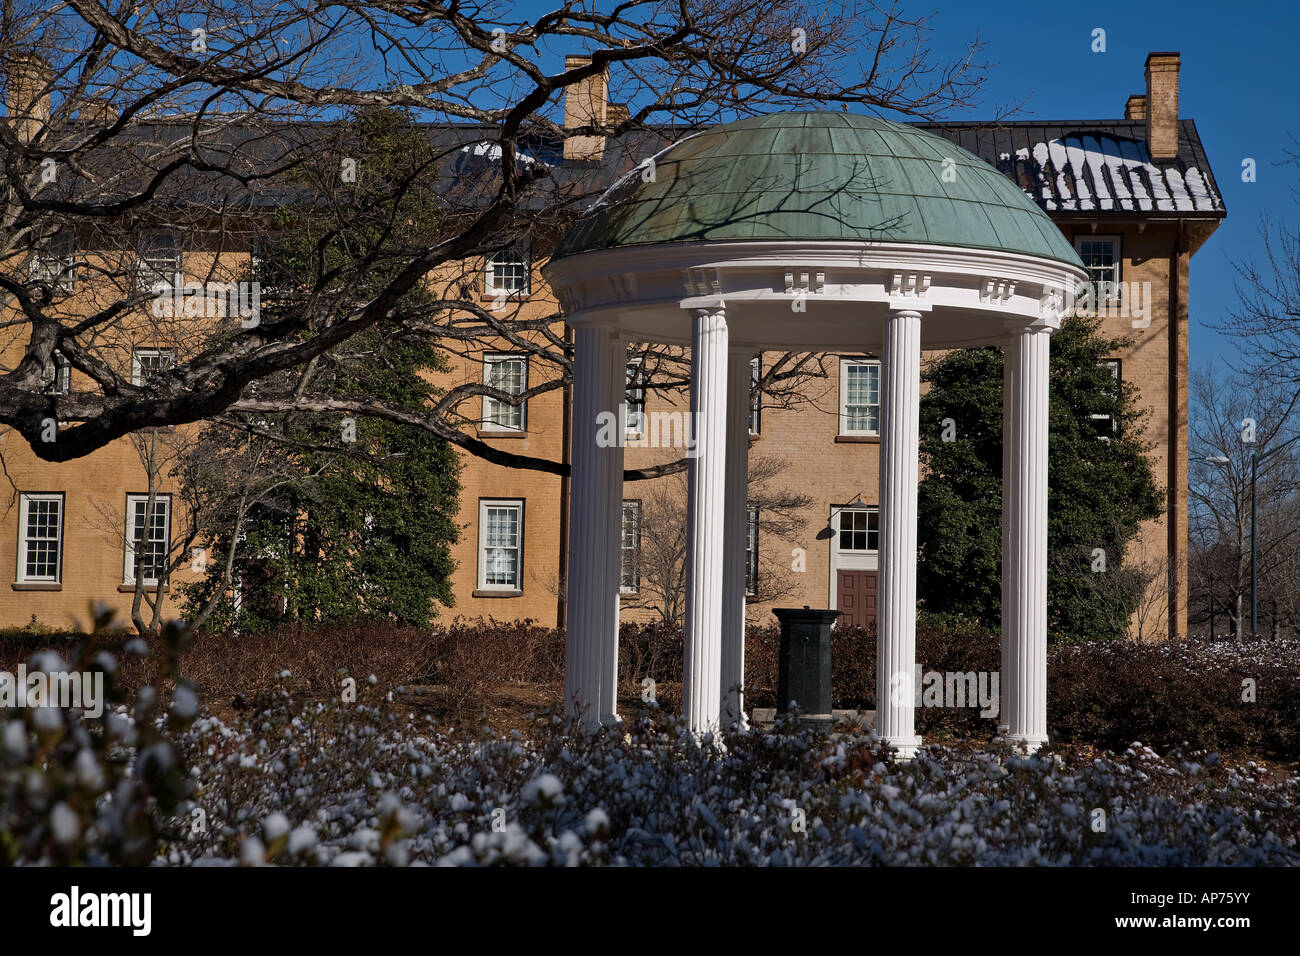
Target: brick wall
pixel 831 472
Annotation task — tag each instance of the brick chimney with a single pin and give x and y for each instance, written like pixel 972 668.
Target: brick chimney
pixel 98 110
pixel 1136 107
pixel 585 104
pixel 1162 106
pixel 29 95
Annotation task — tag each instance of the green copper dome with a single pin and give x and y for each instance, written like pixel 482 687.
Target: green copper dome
pixel 821 177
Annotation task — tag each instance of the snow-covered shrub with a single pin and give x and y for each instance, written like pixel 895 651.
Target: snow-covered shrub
pixel 1242 697
pixel 76 788
pixel 350 785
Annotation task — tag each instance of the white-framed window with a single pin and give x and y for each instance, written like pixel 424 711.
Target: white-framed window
pixel 634 424
pixel 1105 422
pixel 40 538
pixel 859 396
pixel 146 363
pixel 755 399
pixel 751 550
pixel 629 581
pixel 509 272
pixel 148 538
pixel 158 260
pixel 858 531
pixel 56 376
pixel 506 373
pixel 52 261
pixel 1101 257
pixel 500 544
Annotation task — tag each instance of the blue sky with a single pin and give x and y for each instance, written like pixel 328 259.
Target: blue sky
pixel 1236 82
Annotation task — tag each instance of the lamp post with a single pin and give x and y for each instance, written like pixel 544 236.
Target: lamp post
pixel 1255 459
pixel 1254 548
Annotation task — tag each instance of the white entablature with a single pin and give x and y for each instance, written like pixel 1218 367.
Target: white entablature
pixel 832 290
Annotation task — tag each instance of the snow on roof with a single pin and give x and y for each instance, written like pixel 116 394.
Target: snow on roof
pixel 1097 166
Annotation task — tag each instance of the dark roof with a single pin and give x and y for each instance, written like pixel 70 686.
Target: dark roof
pixel 1085 167
pixel 1095 167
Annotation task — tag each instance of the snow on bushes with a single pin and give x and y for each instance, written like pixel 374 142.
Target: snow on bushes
pixel 76 788
pixel 331 783
pixel 349 786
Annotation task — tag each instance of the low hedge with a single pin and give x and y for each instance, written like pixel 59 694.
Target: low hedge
pixel 1104 694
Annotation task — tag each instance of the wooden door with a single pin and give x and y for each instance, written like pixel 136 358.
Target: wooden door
pixel 856 598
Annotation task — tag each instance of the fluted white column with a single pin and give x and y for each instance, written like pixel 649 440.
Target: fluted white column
pixel 705 509
pixel 1024 559
pixel 900 397
pixel 595 524
pixel 735 531
pixel 1008 605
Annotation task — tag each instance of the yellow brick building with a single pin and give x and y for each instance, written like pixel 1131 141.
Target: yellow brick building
pixel 1135 196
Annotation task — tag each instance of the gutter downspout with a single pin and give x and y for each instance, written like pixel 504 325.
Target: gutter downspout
pixel 562 598
pixel 1176 466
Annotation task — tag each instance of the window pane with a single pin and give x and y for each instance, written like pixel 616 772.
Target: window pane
pixel 1101 260
pixel 51 262
pixel 859 530
pixel 149 546
pixel 501 546
pixel 751 551
pixel 630 575
pixel 862 397
pixel 635 398
pixel 159 260
pixel 56 376
pixel 149 363
pixel 507 271
pixel 508 374
pixel 41 538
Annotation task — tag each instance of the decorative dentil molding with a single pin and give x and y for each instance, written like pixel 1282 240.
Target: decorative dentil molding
pixel 702 281
pixel 996 291
pixel 817 285
pixel 909 284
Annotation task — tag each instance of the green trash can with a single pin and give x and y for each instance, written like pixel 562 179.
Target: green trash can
pixel 804 664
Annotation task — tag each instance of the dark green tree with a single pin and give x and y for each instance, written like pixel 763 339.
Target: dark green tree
pixel 1101 488
pixel 356 516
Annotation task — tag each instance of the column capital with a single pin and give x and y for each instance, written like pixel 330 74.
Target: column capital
pixel 909 307
pixel 1048 324
pixel 704 304
pixel 603 333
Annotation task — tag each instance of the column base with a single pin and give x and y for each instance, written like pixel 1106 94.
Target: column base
pixel 715 737
pixel 905 748
pixel 1026 743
